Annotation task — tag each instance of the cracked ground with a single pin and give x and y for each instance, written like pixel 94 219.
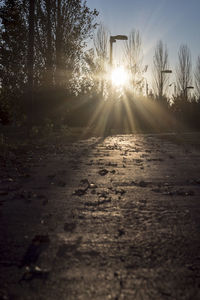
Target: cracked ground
pixel 102 218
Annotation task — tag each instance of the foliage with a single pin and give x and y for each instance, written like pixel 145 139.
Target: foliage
pixel 186 112
pixel 13 69
pixel 70 27
pixel 61 29
pixel 71 85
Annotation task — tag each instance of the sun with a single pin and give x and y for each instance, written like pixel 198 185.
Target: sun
pixel 119 76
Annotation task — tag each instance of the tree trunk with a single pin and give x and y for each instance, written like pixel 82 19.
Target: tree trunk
pixel 58 45
pixel 30 58
pixel 49 64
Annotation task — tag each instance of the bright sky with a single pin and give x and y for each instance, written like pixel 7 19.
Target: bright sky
pixel 173 21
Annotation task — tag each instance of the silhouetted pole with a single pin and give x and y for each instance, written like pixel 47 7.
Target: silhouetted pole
pixel 147 87
pixel 113 40
pixel 185 91
pixel 161 81
pixel 174 87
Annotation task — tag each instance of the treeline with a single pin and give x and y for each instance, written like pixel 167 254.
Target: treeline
pixel 48 76
pixel 42 48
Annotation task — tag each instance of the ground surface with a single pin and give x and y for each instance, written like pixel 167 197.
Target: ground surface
pixel 102 218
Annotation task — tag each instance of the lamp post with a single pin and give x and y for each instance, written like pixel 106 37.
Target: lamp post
pixel 185 91
pixel 146 87
pixel 174 87
pixel 161 86
pixel 113 39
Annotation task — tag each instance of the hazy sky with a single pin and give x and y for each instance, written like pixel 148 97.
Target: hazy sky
pixel 173 21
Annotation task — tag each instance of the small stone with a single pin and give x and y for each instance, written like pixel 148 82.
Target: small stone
pixel 80 192
pixel 92 186
pixel 103 172
pixel 113 172
pixel 121 232
pixel 120 191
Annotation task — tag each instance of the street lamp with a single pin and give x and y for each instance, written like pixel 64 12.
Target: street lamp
pixel 185 91
pixel 113 39
pixel 166 72
pixel 174 87
pixel 147 87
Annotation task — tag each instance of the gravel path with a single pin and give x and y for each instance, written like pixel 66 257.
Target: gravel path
pixel 113 218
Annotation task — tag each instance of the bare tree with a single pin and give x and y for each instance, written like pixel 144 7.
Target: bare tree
pixel 101 42
pixel 197 77
pixel 134 58
pixel 184 70
pixel 160 63
pixel 101 48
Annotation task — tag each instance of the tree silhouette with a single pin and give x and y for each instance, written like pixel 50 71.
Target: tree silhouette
pixel 101 50
pixel 197 78
pixel 160 63
pixel 184 71
pixel 134 58
pixel 13 66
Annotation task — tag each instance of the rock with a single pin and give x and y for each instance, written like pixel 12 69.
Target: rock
pixel 104 201
pixel 121 232
pixel 120 191
pixel 103 194
pixel 80 192
pixel 113 172
pixel 103 172
pixel 92 186
pixel 84 183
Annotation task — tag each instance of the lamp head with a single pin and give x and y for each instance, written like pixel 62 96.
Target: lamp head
pixel 166 71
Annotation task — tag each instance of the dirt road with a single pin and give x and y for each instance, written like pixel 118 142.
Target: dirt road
pixel 114 218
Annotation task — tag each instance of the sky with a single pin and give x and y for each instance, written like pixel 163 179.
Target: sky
pixel 175 22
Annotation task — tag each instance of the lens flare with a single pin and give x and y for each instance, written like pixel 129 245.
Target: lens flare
pixel 119 76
